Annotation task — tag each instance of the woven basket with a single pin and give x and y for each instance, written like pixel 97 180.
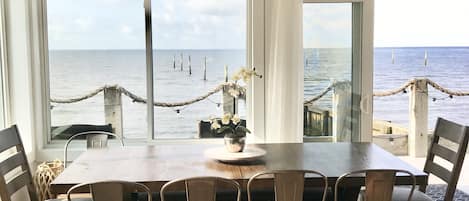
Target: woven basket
pixel 45 173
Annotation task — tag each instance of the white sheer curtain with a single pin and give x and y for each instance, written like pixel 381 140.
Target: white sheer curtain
pixel 284 70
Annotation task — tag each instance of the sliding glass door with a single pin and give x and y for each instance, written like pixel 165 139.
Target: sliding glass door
pixel 336 77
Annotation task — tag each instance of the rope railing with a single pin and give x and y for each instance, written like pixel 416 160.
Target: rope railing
pixel 138 99
pixel 242 92
pixel 413 81
pixel 325 91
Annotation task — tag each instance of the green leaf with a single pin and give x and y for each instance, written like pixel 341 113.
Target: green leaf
pixel 243 129
pixel 222 129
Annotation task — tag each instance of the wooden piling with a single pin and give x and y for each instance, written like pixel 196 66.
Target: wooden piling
pixel 113 109
pixel 190 65
pixel 341 112
pixel 182 62
pixel 205 68
pixel 174 62
pixel 418 118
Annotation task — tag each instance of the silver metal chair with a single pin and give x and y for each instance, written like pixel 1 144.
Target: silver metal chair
pixel 288 184
pixel 379 184
pixel 111 190
pixel 94 139
pixel 202 188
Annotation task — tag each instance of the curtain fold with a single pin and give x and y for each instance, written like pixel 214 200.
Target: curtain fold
pixel 284 70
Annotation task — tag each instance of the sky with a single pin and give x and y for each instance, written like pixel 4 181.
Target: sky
pixel 221 24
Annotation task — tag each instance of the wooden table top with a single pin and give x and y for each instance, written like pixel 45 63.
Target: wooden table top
pixel 155 165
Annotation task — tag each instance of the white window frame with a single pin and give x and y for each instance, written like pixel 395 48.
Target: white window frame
pixel 3 70
pixel 256 86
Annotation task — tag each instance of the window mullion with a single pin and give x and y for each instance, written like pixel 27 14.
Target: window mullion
pixel 149 71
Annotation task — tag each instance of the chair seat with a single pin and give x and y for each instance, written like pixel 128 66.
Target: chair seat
pixel 402 194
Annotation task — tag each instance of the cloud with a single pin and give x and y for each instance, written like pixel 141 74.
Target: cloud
pixel 84 23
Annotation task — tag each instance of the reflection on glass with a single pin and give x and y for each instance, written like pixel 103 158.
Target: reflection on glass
pixel 327 30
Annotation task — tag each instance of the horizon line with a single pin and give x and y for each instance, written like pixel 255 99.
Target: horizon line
pixel 186 49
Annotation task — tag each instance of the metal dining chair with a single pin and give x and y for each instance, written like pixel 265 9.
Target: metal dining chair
pixel 111 190
pixel 379 184
pixel 202 188
pixel 94 139
pixel 288 184
pixel 455 133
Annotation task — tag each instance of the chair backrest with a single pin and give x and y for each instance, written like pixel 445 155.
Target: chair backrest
pixel 457 134
pixel 288 184
pixel 112 190
pixel 379 183
pixel 94 139
pixel 15 164
pixel 202 188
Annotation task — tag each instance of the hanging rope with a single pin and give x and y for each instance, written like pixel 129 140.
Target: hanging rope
pixel 230 87
pixel 446 91
pixel 395 91
pixel 325 91
pixel 80 98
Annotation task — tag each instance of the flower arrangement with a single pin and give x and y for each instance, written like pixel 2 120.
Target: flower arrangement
pixel 230 125
pixel 245 74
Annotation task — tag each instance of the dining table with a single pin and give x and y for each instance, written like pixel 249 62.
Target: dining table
pixel 154 165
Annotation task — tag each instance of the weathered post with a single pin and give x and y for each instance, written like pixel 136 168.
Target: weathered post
pixel 205 68
pixel 190 65
pixel 418 117
pixel 341 112
pixel 113 109
pixel 182 62
pixel 174 62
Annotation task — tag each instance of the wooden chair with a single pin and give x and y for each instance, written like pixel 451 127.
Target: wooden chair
pixel 94 139
pixel 289 184
pixel 379 184
pixel 455 133
pixel 112 190
pixel 202 188
pixel 15 162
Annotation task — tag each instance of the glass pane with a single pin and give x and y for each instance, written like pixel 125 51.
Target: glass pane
pixel 327 30
pixel 94 43
pixel 198 32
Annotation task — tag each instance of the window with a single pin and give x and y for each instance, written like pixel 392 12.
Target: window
pixel 337 81
pixel 101 43
pixel 194 40
pixel 92 44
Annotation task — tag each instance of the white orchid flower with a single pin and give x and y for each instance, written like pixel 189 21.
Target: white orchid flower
pixel 225 120
pixel 235 119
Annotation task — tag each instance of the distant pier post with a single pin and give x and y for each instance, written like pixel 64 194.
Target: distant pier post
pixel 113 109
pixel 182 62
pixel 190 65
pixel 341 112
pixel 174 62
pixel 418 117
pixel 205 68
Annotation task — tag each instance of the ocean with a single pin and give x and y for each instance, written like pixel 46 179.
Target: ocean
pixel 76 72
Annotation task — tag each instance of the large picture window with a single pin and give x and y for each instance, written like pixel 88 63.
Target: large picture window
pixel 97 65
